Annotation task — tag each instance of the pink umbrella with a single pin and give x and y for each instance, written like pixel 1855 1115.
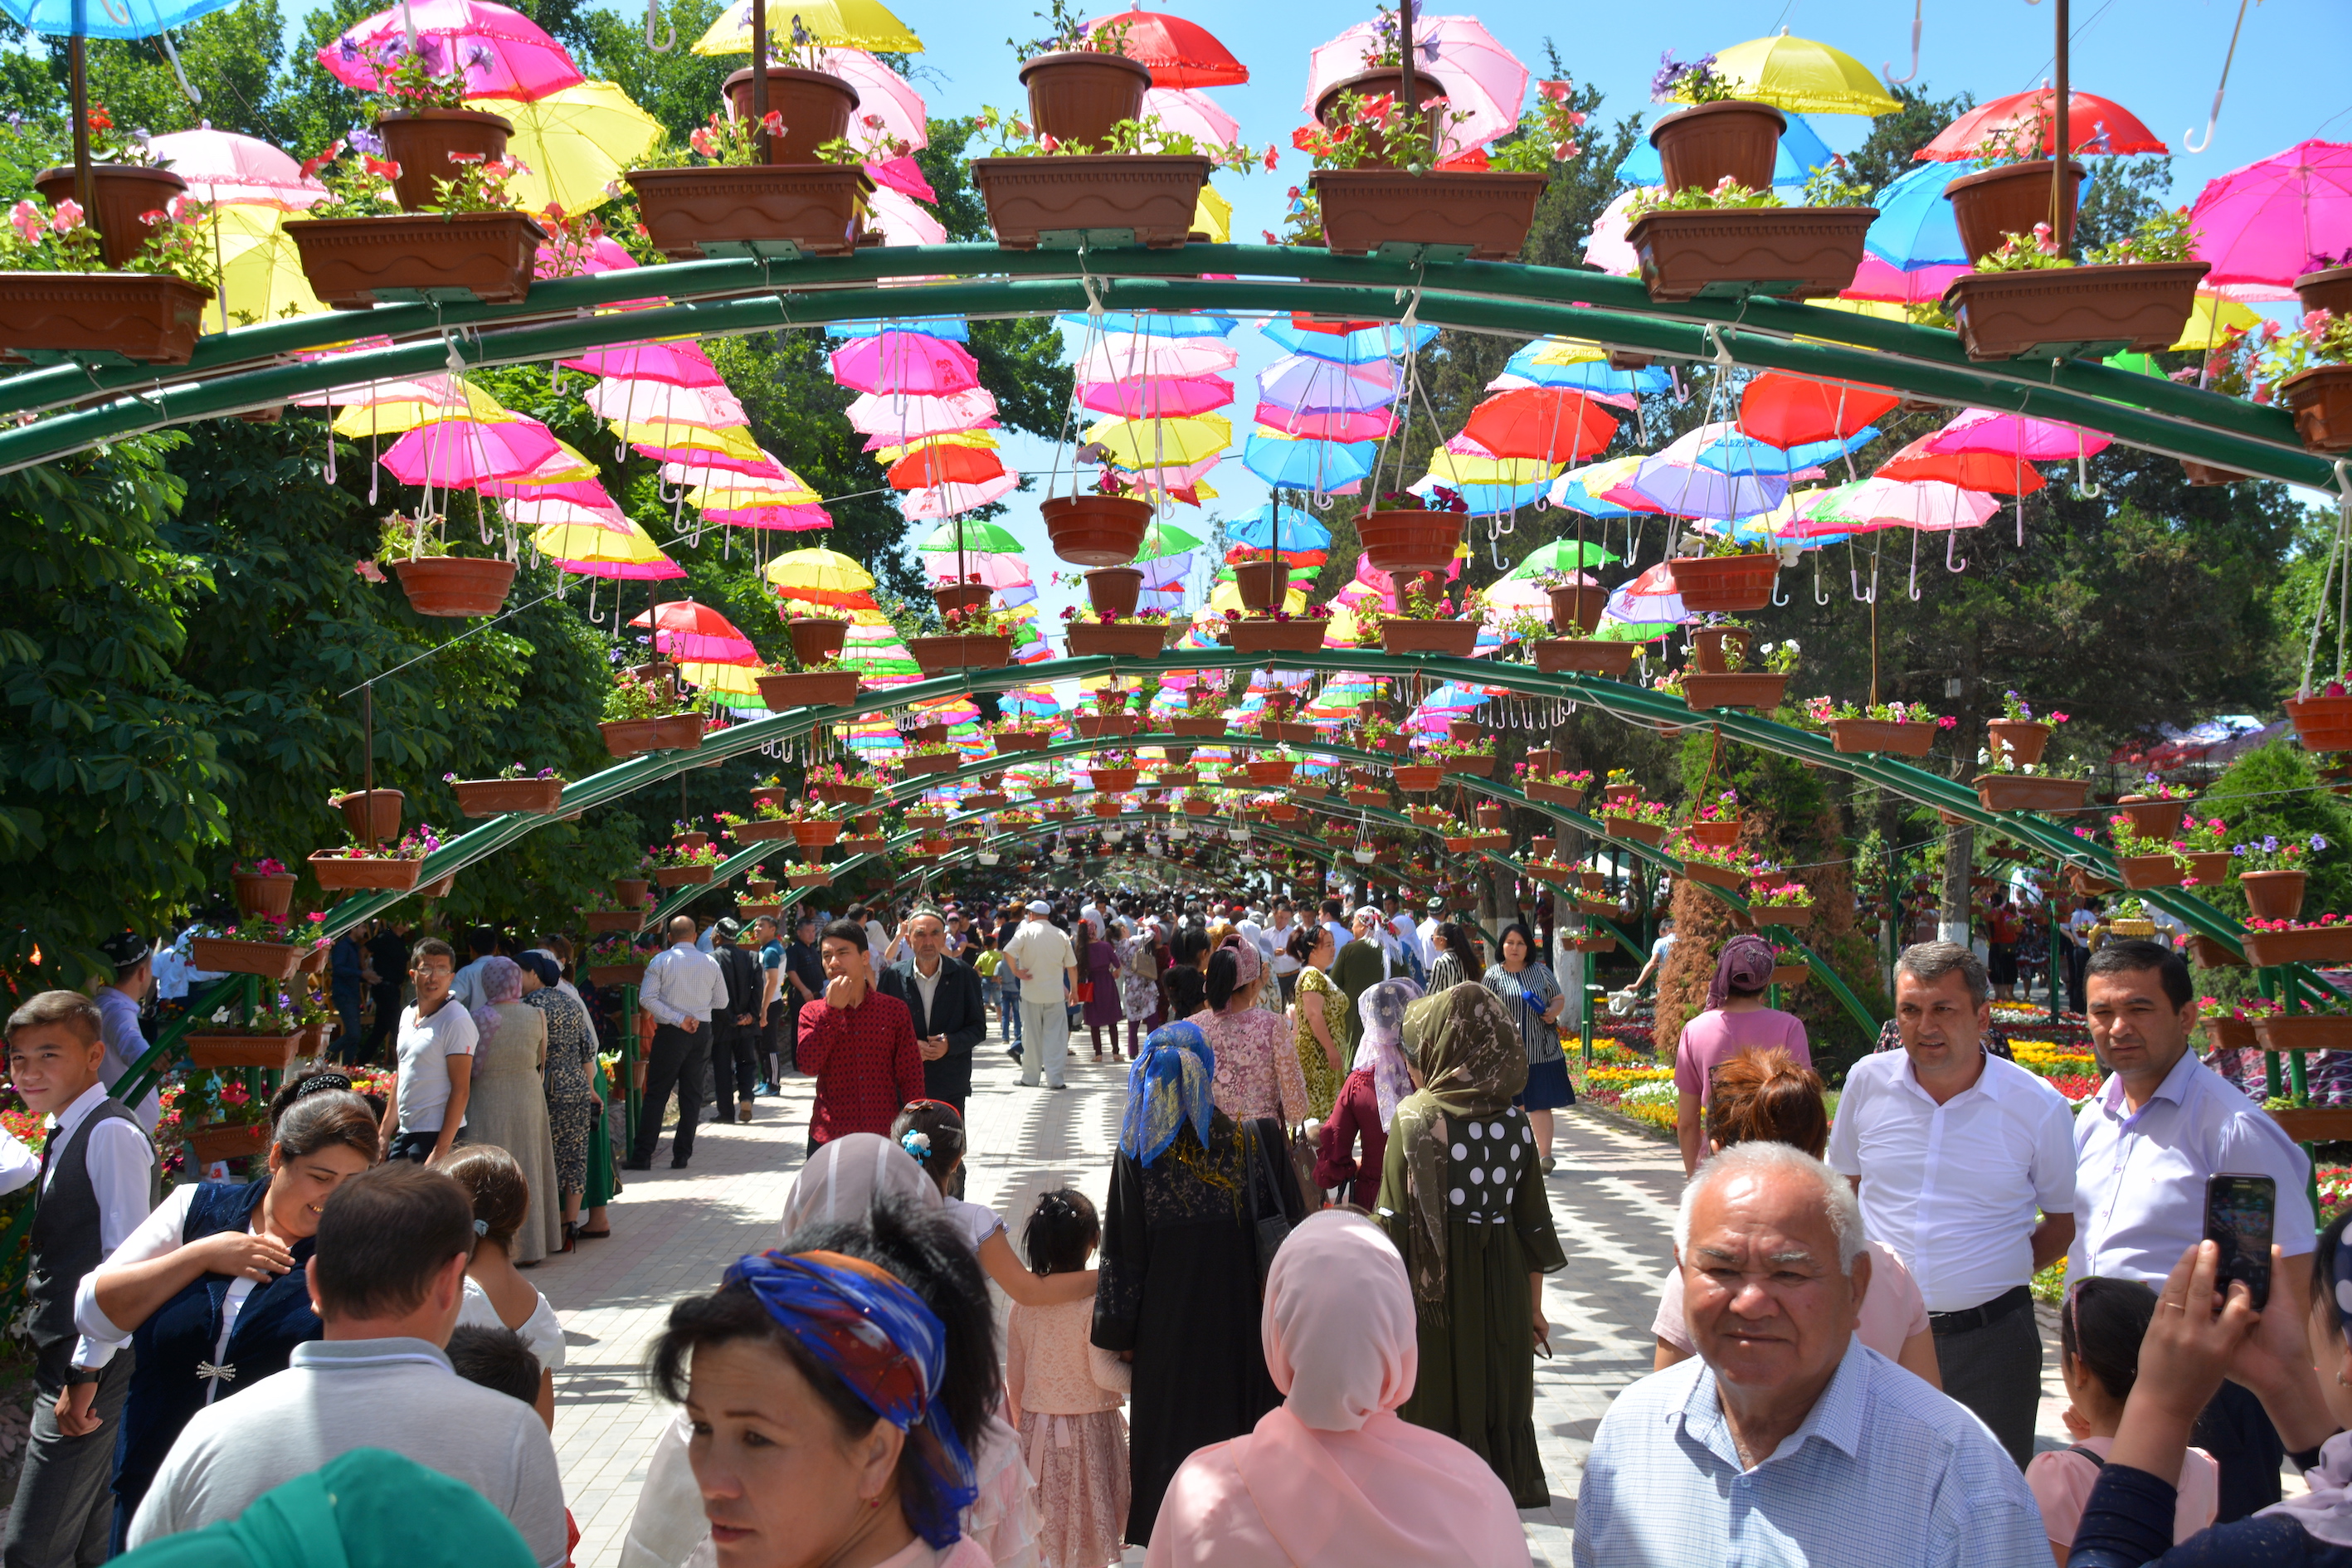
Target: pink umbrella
pixel 458 453
pixel 2012 435
pixel 537 511
pixel 692 463
pixel 1482 81
pixel 603 254
pixel 786 517
pixel 1607 248
pixel 949 501
pixel 1328 425
pixel 680 364
pixel 1157 398
pixel 904 175
pixel 432 389
pixel 887 104
pixel 503 53
pixel 901 219
pixel 904 362
pixel 1878 279
pixel 1192 113
pixel 586 493
pixel 222 166
pixel 661 403
pixel 624 571
pixel 2273 221
pixel 684 629
pixel 890 420
pixel 994 568
pixel 1122 356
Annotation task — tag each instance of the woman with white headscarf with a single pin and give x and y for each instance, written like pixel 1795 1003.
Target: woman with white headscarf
pixel 1332 1478
pixel 508 1109
pixel 1375 1082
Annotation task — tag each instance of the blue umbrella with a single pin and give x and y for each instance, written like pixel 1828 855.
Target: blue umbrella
pixel 109 19
pixel 1585 376
pixel 1915 227
pixel 1801 153
pixel 1318 465
pixel 947 329
pixel 1740 454
pixel 1347 348
pixel 1188 325
pixel 1276 527
pixel 1483 499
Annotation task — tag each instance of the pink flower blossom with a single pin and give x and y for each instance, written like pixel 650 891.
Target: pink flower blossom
pixel 26 218
pixel 68 217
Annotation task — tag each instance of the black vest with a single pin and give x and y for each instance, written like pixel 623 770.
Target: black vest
pixel 66 1240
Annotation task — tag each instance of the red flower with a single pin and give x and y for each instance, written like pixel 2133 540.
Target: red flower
pixel 100 120
pixel 383 168
pixel 1273 156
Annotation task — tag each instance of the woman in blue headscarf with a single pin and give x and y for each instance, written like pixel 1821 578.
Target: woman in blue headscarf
pixel 1178 1294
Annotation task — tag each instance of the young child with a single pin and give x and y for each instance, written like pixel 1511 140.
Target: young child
pixel 99 1184
pixel 1065 1393
pixel 496 1295
pixel 2099 1332
pixel 932 1131
pixel 500 1360
pixel 985 963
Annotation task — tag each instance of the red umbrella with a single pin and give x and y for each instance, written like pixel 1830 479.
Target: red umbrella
pixel 1554 425
pixel 945 464
pixel 2094 124
pixel 1784 411
pixel 1180 53
pixel 685 629
pixel 1998 471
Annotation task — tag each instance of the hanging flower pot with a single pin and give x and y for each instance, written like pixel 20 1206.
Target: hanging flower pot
pixel 355 805
pixel 1078 95
pixel 124 194
pixel 1708 645
pixel 1993 203
pixel 438 888
pixel 263 893
pixel 1794 253
pixel 1458 639
pixel 1444 213
pixel 2021 740
pixel 1745 689
pixel 1114 591
pixel 1419 778
pixel 603 975
pixel 1882 735
pixel 815 107
pixel 2027 791
pixel 683 876
pixel 1578 605
pixel 1263 584
pixel 629 737
pixel 2143 871
pixel 776 211
pixel 2274 895
pixel 496 797
pixel 808 688
pixel 101 317
pixel 939 655
pixel 1111 781
pixel 242 1050
pixel 2321 398
pixel 422 139
pixel 1120 639
pixel 1714 835
pixel 1725 584
pixel 1470 764
pixel 1264 635
pixel 768 830
pixel 1404 539
pixel 2304 1032
pixel 2329 289
pixel 1576 655
pixel 353 263
pixel 816 639
pixel 1105 202
pixel 2322 724
pixel 2090 312
pixel 270 959
pixel 365 873
pixel 1096 530
pixel 1701 146
pixel 454 584
pixel 951 596
pixel 2153 818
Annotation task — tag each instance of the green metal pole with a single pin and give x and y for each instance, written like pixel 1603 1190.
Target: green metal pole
pixel 633 1102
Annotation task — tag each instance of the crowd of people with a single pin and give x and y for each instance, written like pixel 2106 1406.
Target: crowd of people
pixel 1296 1324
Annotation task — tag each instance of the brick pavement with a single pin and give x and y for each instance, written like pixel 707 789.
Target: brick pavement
pixel 673 1232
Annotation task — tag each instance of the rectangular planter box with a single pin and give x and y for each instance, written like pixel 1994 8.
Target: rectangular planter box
pixel 753 911
pixel 1440 216
pixel 1742 690
pixel 1593 943
pixel 1117 639
pixel 2305 1033
pixel 1264 635
pixel 1797 253
pixel 761 832
pixel 343 873
pixel 2315 1123
pixel 1882 735
pixel 1471 767
pixel 1207 725
pixel 1788 917
pixel 843 794
pixel 352 263
pixel 616 975
pixel 939 655
pixel 1567 795
pixel 226 1140
pixel 931 762
pixel 2314 945
pixel 1419 778
pixel 241 1050
pixel 683 876
pixel 2150 870
pixel 2025 792
pixel 270 960
pixel 2087 312
pixel 808 688
pixel 1640 832
pixel 1584 655
pixel 2230 1033
pixel 600 922
pixel 1102 202
pixel 776 211
pixel 1023 741
pixel 1712 876
pixel 1458 639
pixel 631 737
pixel 100 318
pixel 1792 973
pixel 496 797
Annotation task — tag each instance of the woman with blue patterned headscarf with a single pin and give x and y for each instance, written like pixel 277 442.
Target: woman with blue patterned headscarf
pixel 1178 1292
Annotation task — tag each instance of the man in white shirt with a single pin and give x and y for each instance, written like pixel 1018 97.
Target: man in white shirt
pixel 1952 1150
pixel 683 989
pixel 466 986
pixel 435 1045
pixel 1285 968
pixel 2145 1145
pixel 118 1006
pixel 388 1280
pixel 1043 959
pixel 1340 935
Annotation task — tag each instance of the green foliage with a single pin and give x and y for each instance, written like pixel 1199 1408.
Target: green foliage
pixel 2120 195
pixel 2274 791
pixel 1887 151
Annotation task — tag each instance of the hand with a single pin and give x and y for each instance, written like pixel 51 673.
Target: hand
pixel 1542 1327
pixel 2077 1427
pixel 932 1048
pixel 743 1019
pixel 691 1024
pixel 75 1417
pixel 244 1255
pixel 2189 1345
pixel 843 992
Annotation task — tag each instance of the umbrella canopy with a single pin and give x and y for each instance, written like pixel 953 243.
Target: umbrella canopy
pixel 1276 527
pixel 573 142
pixel 503 53
pixel 1189 113
pixel 1314 385
pixel 261 270
pixel 979 538
pixel 2011 436
pixel 1164 542
pixel 1483 81
pixel 904 362
pixel 1802 75
pixel 222 166
pixel 1156 443
pixel 1583 490
pixel 2273 220
pixel 1559 555
pixel 1969 471
pixel 566 474
pixel 390 407
pixel 1356 345
pixel 2094 124
pixel 541 511
pixel 1327 424
pixel 888 107
pixel 902 417
pixel 684 629
pixel 1157 398
pixel 1181 53
pixel 2212 318
pixel 1323 467
pixel 1607 247
pixel 1124 357
pixel 115 19
pixel 1677 481
pixel 854 23
pixel 586 548
pixel 1929 505
pixel 949 499
pixel 680 362
pixel 1880 280
pixel 820 576
pixel 1789 410
pixel 1558 427
pixel 1916 227
pixel 461 453
pixel 660 405
pixel 945 464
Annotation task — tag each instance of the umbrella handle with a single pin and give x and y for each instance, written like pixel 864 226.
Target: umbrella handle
pixel 2188 138
pixel 653 15
pixel 1950 535
pixel 1894 80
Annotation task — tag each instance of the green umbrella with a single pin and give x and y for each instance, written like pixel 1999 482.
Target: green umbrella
pixel 1559 555
pixel 1162 539
pixel 979 538
pixel 1613 630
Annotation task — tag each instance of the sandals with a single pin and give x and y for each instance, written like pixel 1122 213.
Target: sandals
pixel 591 1234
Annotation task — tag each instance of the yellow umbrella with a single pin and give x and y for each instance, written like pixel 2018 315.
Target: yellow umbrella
pixel 1567 350
pixel 822 576
pixel 2209 318
pixel 575 142
pixel 261 272
pixel 852 24
pixel 567 467
pixel 1453 469
pixel 1214 216
pixel 1225 599
pixel 720 680
pixel 735 441
pixel 1153 443
pixel 408 406
pixel 1800 75
pixel 603 546
pixel 980 440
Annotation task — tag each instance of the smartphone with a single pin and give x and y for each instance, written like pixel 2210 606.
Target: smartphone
pixel 2238 1211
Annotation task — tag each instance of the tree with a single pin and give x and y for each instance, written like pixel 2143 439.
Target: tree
pixel 1894 139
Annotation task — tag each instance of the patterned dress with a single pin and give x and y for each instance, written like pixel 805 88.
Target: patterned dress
pixel 572 1101
pixel 1322 1081
pixel 1257 1066
pixel 1137 998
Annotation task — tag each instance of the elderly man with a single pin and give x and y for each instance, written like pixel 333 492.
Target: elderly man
pixel 1785 1440
pixel 942 996
pixel 2145 1145
pixel 1953 1149
pixel 1042 959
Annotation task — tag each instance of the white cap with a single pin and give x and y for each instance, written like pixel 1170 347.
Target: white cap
pixel 1040 907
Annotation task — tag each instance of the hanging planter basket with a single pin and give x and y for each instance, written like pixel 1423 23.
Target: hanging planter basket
pixel 808 688
pixel 1103 203
pixel 2073 312
pixel 1725 584
pixel 242 1050
pixel 100 318
pixel 1114 591
pixel 1441 216
pixel 1993 203
pixel 1746 689
pixel 2309 945
pixel 815 107
pixel 353 263
pixel 355 805
pixel 771 211
pixel 270 960
pixel 818 639
pixel 2275 895
pixel 1401 541
pixel 1852 735
pixel 1712 876
pixel 1714 835
pixel 1730 253
pixel 939 655
pixel 2321 398
pixel 421 140
pixel 1080 95
pixel 1112 781
pixel 454 584
pixel 2025 792
pixel 1578 656
pixel 629 737
pixel 496 797
pixel 1096 531
pixel 1458 639
pixel 1419 778
pixel 1264 635
pixel 1120 639
pixel 257 894
pixel 1701 146
pixel 365 873
pixel 2322 724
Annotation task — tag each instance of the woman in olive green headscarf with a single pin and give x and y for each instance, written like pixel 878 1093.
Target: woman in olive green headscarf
pixel 1462 1198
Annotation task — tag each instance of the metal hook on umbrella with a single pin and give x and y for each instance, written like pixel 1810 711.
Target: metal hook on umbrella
pixel 2188 138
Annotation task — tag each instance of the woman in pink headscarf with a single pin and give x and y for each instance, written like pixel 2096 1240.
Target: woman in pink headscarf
pixel 1736 1020
pixel 1333 1478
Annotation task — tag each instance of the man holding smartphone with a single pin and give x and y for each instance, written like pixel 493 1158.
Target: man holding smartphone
pixel 2146 1145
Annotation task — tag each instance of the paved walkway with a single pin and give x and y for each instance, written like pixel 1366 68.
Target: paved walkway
pixel 673 1233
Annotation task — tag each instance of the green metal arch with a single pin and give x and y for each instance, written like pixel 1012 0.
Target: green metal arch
pixel 247 368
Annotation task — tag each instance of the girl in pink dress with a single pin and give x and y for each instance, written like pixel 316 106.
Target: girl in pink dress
pixel 1064 1395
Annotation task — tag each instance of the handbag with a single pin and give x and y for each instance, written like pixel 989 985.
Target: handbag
pixel 1302 1168
pixel 1084 992
pixel 1269 1219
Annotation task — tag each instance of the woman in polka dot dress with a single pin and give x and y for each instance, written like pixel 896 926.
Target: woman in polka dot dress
pixel 1462 1197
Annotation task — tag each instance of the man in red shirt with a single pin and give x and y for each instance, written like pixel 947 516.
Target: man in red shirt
pixel 2001 931
pixel 858 1043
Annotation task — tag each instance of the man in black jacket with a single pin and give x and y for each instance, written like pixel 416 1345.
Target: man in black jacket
pixel 735 1030
pixel 943 995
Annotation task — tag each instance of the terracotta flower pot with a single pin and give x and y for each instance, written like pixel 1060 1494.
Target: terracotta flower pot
pixel 496 797
pixel 939 655
pixel 1404 539
pixel 1788 917
pixel 771 831
pixel 2329 289
pixel 1443 215
pixel 682 876
pixel 816 639
pixel 2321 398
pixel 438 888
pixel 242 1050
pixel 816 106
pixel 599 921
pixel 603 975
pixel 1096 531
pixel 2314 1123
pixel 1112 781
pixel 1712 876
pixel 1650 833
pixel 226 1140
pixel 2205 476
pixel 342 873
pixel 459 585
pixel 629 737
pixel 1578 605
pixel 1419 778
pixel 1725 584
pixel 1990 204
pixel 2311 944
pixel 1708 645
pixel 1698 146
pixel 1114 591
pixel 263 895
pixel 1256 635
pixel 2212 955
pixel 1122 639
pixel 1746 689
pixel 101 317
pixel 1882 735
pixel 2303 1032
pixel 421 140
pixel 2143 871
pixel 354 806
pixel 2274 895
pixel 1263 584
pixel 816 834
pixel 770 210
pixel 270 960
pixel 1457 638
pixel 1578 656
pixel 1714 835
pixel 352 263
pixel 2154 819
pixel 1474 766
pixel 1796 253
pixel 2023 739
pixel 1380 81
pixel 808 688
pixel 1567 795
pixel 124 193
pixel 1107 202
pixel 1078 95
pixel 2322 724
pixel 2074 312
pixel 2026 792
